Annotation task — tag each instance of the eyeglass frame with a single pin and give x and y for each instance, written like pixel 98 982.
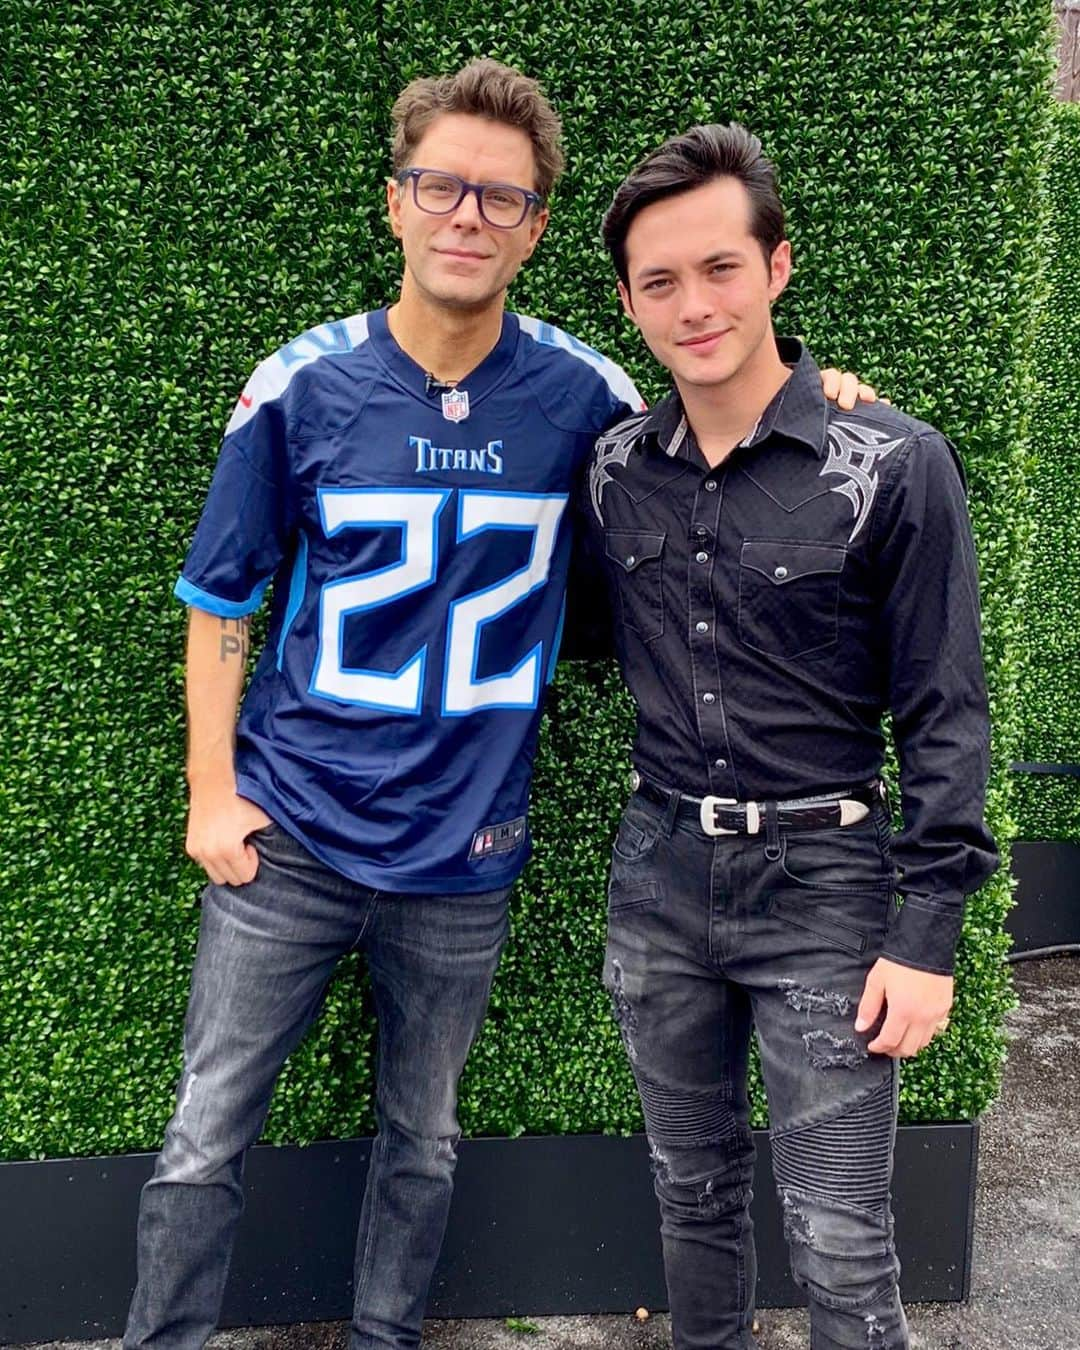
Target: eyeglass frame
pixel 533 200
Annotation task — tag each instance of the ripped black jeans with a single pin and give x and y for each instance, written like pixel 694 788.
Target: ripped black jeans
pixel 706 939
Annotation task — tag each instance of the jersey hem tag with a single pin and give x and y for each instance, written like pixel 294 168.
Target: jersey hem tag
pixel 503 838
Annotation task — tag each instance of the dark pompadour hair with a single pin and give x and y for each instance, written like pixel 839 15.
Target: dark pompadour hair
pixel 689 161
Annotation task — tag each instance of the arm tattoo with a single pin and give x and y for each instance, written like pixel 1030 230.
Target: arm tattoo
pixel 234 639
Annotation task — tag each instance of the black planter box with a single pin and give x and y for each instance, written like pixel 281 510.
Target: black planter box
pixel 539 1225
pixel 1047 910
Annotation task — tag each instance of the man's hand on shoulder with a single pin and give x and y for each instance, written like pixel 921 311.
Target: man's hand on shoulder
pixel 219 822
pixel 845 389
pixel 916 1005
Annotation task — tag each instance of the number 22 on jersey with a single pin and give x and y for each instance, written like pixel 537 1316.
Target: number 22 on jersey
pixel 415 513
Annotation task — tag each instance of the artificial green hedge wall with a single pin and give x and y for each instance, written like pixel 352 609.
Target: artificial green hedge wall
pixel 1049 807
pixel 184 187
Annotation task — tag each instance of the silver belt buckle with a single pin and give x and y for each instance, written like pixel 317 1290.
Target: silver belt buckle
pixel 709 807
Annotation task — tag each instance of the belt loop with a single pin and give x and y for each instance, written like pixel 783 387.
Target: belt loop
pixel 772 832
pixel 670 814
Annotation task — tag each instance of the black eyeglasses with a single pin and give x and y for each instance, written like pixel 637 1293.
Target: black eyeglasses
pixel 501 204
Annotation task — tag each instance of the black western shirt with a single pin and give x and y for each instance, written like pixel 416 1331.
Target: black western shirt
pixel 768 612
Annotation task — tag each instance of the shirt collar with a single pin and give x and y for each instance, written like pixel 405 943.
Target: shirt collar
pixel 667 422
pixel 797 412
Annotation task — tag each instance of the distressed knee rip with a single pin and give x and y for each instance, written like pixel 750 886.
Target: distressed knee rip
pixel 701 1154
pixel 623 1009
pixel 699 1196
pixel 815 1000
pixel 827 1051
pixel 834 1230
pixel 875 1332
pixel 841 1255
pixel 797 1226
pixel 824 1049
pixel 719 1196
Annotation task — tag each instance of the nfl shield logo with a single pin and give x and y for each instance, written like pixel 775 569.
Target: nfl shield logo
pixel 455 405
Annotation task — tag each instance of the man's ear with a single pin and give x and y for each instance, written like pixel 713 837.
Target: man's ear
pixel 537 226
pixel 779 269
pixel 393 206
pixel 627 303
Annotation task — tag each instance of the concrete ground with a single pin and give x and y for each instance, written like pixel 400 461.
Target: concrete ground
pixel 1025 1287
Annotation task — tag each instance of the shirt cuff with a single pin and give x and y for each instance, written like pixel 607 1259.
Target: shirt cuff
pixel 923 932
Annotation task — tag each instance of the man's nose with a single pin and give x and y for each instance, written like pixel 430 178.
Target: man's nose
pixel 466 214
pixel 696 303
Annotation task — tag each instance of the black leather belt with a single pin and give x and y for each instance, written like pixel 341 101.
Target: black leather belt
pixel 723 815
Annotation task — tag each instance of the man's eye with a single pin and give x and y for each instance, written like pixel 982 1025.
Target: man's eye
pixel 658 283
pixel 437 187
pixel 723 267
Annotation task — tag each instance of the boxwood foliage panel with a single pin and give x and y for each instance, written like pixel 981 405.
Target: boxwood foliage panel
pixel 1049 807
pixel 187 186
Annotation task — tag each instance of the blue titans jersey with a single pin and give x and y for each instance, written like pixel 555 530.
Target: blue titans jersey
pixel 419 546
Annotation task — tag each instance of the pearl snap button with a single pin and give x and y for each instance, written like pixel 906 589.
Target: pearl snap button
pixel 702 556
pixel 708 698
pixel 780 573
pixel 631 560
pixel 702 627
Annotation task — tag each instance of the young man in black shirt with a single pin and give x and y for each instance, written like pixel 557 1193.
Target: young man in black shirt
pixel 783 573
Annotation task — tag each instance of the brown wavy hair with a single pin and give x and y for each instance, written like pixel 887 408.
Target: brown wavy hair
pixel 483 88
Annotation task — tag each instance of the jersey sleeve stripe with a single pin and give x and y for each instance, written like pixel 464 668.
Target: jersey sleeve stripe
pixel 616 379
pixel 196 598
pixel 271 377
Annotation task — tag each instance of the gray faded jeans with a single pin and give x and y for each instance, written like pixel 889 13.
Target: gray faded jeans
pixel 708 938
pixel 265 956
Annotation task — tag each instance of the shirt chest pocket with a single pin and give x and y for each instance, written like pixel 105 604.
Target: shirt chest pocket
pixel 638 564
pixel 789 596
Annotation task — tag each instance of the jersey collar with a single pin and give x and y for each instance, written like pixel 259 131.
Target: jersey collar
pixel 479 381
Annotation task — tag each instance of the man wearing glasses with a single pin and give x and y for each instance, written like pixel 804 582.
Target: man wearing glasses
pixel 404 477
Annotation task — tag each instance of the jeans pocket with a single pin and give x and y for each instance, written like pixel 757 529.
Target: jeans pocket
pixel 848 859
pixel 638 833
pixel 801 911
pixel 623 896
